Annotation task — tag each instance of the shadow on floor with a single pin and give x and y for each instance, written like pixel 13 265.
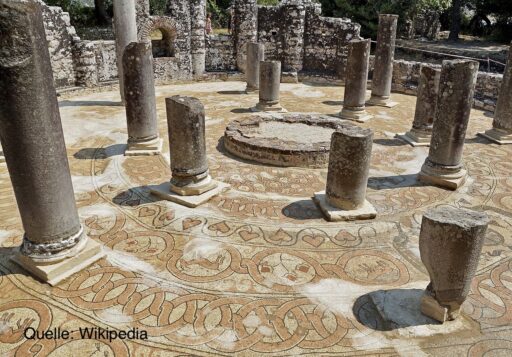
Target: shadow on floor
pixel 231 92
pixel 390 142
pixel 9 267
pixel 134 197
pixel 387 310
pixel 91 103
pixel 337 103
pixel 302 210
pixel 398 181
pixel 478 140
pixel 242 111
pixel 100 153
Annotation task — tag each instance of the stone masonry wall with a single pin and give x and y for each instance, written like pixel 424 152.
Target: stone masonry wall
pixel 220 53
pixel 326 42
pixel 61 37
pixel 406 76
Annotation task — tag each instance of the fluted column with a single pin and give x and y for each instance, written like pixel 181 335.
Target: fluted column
pixel 54 245
pixel 501 131
pixel 444 166
pixel 384 56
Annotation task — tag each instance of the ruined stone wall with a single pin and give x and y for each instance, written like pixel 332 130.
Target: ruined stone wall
pixel 220 53
pixel 326 41
pixel 61 37
pixel 406 76
pixel 281 29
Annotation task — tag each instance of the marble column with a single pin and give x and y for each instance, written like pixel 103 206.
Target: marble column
pixel 384 56
pixel 198 36
pixel 270 85
pixel 139 94
pixel 191 184
pixel 125 27
pixel 356 81
pixel 54 245
pixel 255 54
pixel 444 166
pixel 347 178
pixel 426 103
pixel 451 241
pixel 501 131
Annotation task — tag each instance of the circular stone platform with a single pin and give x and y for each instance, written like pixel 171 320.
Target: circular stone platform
pixel 292 140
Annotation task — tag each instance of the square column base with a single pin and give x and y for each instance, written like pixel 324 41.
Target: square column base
pixel 163 191
pixel 277 108
pixel 380 102
pixel 56 272
pixel 153 147
pixel 445 182
pixel 497 136
pixel 334 214
pixel 359 116
pixel 414 140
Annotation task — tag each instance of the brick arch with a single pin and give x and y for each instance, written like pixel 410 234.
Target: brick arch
pixel 166 25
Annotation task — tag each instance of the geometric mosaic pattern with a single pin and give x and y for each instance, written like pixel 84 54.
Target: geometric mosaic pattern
pixel 257 269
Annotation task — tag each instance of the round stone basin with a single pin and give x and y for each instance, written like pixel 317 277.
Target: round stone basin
pixel 301 140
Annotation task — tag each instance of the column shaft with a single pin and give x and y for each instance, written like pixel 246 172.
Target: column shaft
pixel 503 113
pixel 270 85
pixel 384 56
pixel 255 54
pixel 125 26
pixel 349 166
pixel 33 141
pixel 139 89
pixel 356 81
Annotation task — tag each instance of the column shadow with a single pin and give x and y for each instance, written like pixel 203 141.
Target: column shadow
pixel 388 310
pixel 231 92
pixel 398 181
pixel 100 153
pixel 89 103
pixel 302 210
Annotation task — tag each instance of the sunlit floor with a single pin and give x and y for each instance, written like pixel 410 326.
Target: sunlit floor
pixel 257 269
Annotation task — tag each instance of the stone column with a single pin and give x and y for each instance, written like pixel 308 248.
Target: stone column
pixel 54 245
pixel 270 85
pixel 384 56
pixel 198 36
pixel 246 28
pixel 444 165
pixel 255 54
pixel 139 92
pixel 2 158
pixel 125 27
pixel 426 103
pixel 191 184
pixel 347 176
pixel 356 81
pixel 501 131
pixel 451 241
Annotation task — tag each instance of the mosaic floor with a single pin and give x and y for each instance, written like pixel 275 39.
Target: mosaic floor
pixel 257 269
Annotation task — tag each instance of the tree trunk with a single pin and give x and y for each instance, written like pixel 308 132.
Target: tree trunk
pixel 456 20
pixel 100 12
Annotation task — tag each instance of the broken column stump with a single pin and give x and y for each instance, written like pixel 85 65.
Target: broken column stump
pixel 347 178
pixel 255 55
pixel 451 241
pixel 191 184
